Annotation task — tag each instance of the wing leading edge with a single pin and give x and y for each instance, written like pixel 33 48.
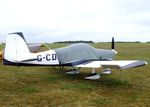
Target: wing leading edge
pixel 119 64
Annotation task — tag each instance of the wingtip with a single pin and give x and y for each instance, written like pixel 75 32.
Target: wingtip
pixel 146 62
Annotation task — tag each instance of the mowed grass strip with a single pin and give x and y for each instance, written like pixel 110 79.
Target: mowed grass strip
pixel 46 86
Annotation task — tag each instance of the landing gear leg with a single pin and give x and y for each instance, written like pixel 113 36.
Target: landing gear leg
pixel 93 71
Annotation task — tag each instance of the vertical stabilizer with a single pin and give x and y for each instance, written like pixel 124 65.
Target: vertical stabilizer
pixel 16 48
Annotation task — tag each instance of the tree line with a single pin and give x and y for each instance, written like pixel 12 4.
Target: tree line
pixel 80 41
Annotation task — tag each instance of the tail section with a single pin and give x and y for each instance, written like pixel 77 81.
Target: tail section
pixel 16 48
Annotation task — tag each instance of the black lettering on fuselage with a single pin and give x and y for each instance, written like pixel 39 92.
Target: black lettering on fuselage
pixel 47 57
pixel 39 58
pixel 53 56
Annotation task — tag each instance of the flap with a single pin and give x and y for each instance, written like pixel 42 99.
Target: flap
pixel 90 64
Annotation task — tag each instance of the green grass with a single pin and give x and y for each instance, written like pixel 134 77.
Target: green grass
pixel 29 89
pixel 49 87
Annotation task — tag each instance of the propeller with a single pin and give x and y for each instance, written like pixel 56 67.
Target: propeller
pixel 113 43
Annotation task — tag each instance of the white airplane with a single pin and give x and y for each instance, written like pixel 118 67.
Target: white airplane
pixel 79 55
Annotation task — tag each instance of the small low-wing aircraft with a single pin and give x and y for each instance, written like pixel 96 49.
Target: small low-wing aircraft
pixel 78 55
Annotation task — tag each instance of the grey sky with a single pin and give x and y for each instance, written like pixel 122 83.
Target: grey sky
pixel 56 20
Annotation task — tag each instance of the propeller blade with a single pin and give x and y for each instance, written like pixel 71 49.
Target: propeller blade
pixel 113 43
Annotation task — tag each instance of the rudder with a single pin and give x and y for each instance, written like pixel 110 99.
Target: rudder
pixel 16 48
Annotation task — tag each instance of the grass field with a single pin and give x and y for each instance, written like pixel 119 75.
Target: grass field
pixel 49 87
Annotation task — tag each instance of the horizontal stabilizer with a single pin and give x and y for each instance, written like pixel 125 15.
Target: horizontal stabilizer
pixel 120 64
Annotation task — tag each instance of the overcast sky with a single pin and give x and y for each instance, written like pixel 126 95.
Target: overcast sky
pixel 58 20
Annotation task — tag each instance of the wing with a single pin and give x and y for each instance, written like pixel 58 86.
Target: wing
pixel 120 64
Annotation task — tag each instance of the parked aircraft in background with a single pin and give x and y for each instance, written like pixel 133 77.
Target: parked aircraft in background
pixel 1 54
pixel 78 55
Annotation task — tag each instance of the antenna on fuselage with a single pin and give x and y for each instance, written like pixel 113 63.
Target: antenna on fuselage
pixel 46 45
